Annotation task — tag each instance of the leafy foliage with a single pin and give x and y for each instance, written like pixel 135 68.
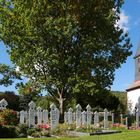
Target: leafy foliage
pixel 12 99
pixel 8 75
pixel 45 102
pixel 22 130
pixel 8 132
pixel 28 92
pixel 98 101
pixel 65 46
pixel 8 117
pixel 122 96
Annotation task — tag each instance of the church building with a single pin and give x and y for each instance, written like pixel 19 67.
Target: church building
pixel 133 91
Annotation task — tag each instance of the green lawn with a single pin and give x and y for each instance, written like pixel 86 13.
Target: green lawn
pixel 128 135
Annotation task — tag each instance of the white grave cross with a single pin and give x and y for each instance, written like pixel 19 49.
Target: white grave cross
pixel 78 115
pixel 39 115
pixel 22 117
pixel 89 115
pixel 3 104
pixel 96 119
pixel 105 118
pixel 54 117
pixel 70 116
pixel 31 114
pixel 45 116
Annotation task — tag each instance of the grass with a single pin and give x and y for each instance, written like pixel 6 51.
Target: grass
pixel 127 135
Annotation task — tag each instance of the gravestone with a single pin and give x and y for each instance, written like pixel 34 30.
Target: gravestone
pixel 70 116
pixel 106 118
pixel 126 122
pixel 78 115
pixel 89 115
pixel 54 116
pixel 121 117
pixel 137 118
pixel 39 116
pixel 74 117
pixel 45 116
pixel 22 117
pixel 32 106
pixel 84 118
pixel 26 116
pixel 3 104
pixel 112 115
pixel 96 119
pixel 65 117
pixel 57 116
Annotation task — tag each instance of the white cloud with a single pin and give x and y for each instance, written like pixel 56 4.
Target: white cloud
pixel 124 21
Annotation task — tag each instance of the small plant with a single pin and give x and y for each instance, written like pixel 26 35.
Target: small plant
pixel 61 129
pixel 36 134
pixel 45 133
pixel 8 131
pixel 8 117
pixel 30 131
pixel 22 130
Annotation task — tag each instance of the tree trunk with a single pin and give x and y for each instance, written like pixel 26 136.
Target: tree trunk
pixel 61 108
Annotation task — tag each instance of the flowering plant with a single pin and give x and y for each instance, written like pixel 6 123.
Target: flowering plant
pixel 8 117
pixel 44 126
pixel 116 124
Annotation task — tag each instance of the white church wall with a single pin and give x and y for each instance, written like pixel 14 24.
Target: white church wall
pixel 133 100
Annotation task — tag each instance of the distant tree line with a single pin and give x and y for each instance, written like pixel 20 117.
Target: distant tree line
pixel 114 101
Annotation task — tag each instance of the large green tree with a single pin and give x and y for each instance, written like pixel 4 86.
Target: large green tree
pixel 65 45
pixel 8 75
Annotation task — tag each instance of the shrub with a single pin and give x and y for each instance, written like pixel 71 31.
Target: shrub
pixel 41 130
pixel 8 117
pixel 8 132
pixel 22 130
pixel 31 131
pixel 62 129
pixel 35 134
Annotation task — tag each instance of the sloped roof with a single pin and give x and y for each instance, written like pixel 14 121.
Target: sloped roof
pixel 138 51
pixel 134 86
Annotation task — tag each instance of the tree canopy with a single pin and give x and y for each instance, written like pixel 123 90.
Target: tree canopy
pixel 65 46
pixel 12 99
pixel 8 74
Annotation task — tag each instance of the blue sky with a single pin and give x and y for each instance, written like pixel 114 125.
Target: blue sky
pixel 130 20
pixel 124 76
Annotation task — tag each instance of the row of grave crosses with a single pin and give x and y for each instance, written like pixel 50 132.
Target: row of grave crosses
pixel 42 116
pixel 84 118
pixel 81 118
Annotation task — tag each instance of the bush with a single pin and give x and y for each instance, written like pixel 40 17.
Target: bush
pixel 41 130
pixel 8 132
pixel 31 131
pixel 8 117
pixel 36 134
pixel 22 130
pixel 63 128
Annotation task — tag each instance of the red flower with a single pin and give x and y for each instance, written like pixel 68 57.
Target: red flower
pixel 44 126
pixel 116 124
